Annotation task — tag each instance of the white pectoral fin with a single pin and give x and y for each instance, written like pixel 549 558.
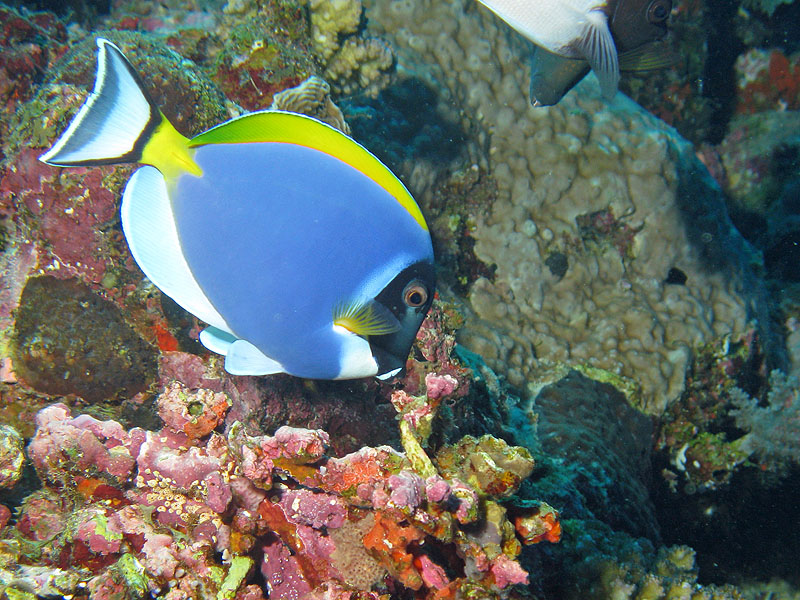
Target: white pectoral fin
pixel 149 227
pixel 109 125
pixel 597 46
pixel 243 358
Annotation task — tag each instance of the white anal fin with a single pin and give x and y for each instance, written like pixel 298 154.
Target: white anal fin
pixel 111 125
pixel 149 227
pixel 597 46
pixel 243 358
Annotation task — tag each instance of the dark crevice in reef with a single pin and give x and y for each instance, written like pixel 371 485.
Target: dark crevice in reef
pixel 719 78
pixel 743 531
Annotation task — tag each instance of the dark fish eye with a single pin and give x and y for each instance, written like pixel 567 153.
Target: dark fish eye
pixel 415 295
pixel 659 10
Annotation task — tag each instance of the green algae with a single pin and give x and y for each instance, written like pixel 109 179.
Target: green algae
pixel 240 566
pixel 132 572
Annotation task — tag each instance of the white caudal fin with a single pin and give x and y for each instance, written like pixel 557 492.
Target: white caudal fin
pixel 149 227
pixel 114 123
pixel 597 46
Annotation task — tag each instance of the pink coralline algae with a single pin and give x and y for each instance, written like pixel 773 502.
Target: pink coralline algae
pixel 436 341
pixel 64 447
pixel 195 414
pixel 194 513
pixel 70 213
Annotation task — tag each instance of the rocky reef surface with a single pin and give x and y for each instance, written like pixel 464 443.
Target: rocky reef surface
pixel 591 390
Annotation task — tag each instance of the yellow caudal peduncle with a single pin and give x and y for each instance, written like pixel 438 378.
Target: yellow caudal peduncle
pixel 169 152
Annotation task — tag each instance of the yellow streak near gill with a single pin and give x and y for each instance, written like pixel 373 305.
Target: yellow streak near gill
pixel 290 128
pixel 170 152
pixel 361 319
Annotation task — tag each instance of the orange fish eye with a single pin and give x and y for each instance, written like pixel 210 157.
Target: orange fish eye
pixel 415 294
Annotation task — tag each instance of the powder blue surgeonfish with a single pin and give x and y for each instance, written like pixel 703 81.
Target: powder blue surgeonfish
pixel 300 249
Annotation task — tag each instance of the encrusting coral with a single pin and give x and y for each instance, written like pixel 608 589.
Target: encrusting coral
pixel 312 97
pixel 134 511
pixel 353 63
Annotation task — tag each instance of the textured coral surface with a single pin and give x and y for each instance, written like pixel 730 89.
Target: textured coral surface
pixel 189 512
pixel 584 253
pixel 557 168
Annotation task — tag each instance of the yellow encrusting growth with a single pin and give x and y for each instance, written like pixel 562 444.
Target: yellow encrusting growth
pixel 170 152
pixel 291 128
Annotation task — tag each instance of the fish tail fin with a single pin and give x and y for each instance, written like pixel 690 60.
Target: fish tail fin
pixel 552 76
pixel 597 46
pixel 120 123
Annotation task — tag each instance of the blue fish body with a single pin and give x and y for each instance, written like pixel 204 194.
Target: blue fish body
pixel 301 250
pixel 308 232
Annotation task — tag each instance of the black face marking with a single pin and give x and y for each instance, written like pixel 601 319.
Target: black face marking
pixel 393 295
pixel 409 297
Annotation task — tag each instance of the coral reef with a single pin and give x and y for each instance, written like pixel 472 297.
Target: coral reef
pixel 773 430
pixel 353 63
pixel 361 66
pixel 767 80
pixel 753 157
pixel 699 454
pixel 717 427
pixel 552 166
pixel 259 60
pixel 28 42
pixel 312 97
pixel 606 564
pixel 251 50
pixel 329 21
pixel 12 457
pixel 585 235
pixel 187 511
pixel 767 6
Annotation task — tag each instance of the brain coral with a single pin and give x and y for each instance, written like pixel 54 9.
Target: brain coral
pixel 600 190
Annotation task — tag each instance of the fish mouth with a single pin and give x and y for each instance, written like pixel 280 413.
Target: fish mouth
pixel 391 374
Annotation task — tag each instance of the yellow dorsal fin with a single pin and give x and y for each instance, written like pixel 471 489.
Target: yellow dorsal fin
pixel 169 152
pixel 292 128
